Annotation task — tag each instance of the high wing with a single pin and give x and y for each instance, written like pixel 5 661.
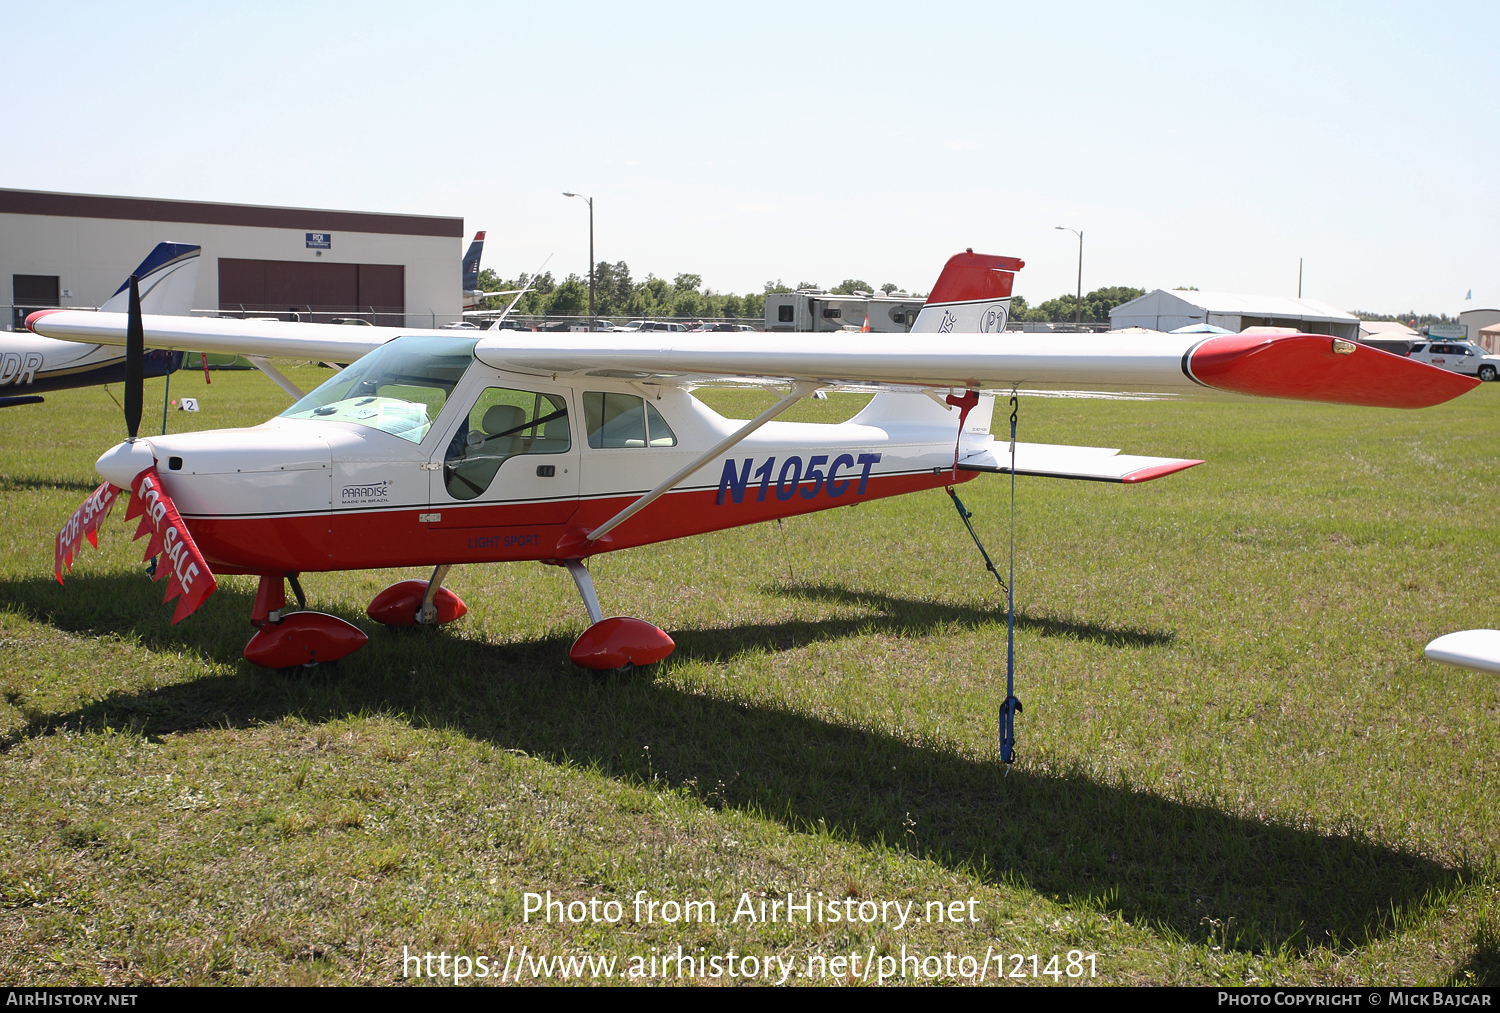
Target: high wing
pixel 1303 367
pixel 240 337
pixel 958 341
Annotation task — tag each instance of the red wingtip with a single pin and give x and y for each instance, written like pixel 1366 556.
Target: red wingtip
pixel 1307 367
pixel 975 276
pixel 1157 471
pixel 32 318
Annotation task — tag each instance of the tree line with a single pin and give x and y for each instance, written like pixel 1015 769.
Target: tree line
pixel 1410 318
pixel 617 294
pixel 1096 305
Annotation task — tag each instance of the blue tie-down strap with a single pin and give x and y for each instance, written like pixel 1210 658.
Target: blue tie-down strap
pixel 965 515
pixel 1008 711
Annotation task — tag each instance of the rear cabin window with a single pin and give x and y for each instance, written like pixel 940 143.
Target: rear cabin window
pixel 624 420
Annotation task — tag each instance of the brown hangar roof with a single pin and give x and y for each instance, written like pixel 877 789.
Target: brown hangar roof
pixel 144 209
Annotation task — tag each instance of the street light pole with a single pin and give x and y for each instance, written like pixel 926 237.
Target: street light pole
pixel 1078 320
pixel 591 254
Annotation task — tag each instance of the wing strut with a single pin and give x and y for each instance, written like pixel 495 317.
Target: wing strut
pixel 800 390
pixel 263 364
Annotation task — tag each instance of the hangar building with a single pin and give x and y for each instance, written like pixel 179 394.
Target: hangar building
pixel 1162 310
pixel 1477 321
pixel 63 249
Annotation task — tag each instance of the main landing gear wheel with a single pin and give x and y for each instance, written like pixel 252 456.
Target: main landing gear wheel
pixel 417 603
pixel 616 644
pixel 620 642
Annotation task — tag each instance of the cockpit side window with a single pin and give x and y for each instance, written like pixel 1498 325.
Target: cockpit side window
pixel 502 424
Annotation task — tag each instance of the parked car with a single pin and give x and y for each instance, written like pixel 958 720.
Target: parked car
pixel 1459 356
pixel 651 325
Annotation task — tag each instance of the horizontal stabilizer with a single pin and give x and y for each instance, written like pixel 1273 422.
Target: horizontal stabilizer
pixel 1088 464
pixel 1476 649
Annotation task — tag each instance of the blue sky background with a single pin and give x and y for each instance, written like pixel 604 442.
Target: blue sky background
pixel 1195 144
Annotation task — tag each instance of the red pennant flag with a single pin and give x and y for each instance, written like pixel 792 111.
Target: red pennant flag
pixel 190 580
pixel 83 524
pixel 187 573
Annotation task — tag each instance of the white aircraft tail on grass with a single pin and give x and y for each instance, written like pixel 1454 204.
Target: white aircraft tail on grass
pixel 31 365
pixel 1476 649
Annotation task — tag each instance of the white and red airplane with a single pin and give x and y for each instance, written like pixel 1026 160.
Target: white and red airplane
pixel 437 449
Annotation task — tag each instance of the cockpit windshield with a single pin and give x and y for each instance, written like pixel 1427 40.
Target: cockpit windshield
pixel 399 388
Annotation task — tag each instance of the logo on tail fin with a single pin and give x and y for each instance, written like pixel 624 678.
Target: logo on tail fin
pixel 471 263
pixel 167 278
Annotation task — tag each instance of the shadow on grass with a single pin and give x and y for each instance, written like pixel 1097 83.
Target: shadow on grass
pixel 1483 965
pixel 30 483
pixel 910 613
pixel 1202 873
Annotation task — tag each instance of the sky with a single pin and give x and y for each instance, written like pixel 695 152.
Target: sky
pixel 1210 145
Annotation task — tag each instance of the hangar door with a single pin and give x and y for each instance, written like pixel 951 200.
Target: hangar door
pixel 314 290
pixel 31 292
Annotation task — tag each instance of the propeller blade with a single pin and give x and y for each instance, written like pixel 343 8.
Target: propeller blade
pixel 135 361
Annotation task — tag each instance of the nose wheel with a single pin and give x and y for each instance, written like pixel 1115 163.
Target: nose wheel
pixel 296 639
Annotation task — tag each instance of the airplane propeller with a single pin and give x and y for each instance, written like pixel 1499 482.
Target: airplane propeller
pixel 135 361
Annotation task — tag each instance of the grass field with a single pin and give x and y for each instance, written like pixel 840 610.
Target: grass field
pixel 1236 766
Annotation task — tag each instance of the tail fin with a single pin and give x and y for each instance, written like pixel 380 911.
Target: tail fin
pixel 972 295
pixel 471 263
pixel 166 279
